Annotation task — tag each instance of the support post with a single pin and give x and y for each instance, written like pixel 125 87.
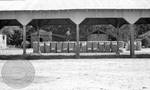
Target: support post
pixel 24 39
pixel 132 50
pixel 77 39
pixel 38 34
pixel 118 34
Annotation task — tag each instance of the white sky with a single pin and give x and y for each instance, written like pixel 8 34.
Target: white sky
pixel 72 4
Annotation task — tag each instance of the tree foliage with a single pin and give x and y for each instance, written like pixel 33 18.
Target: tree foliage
pixel 14 35
pixel 15 39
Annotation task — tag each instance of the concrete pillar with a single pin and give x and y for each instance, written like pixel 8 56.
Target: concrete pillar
pixel 24 39
pixel 132 50
pixel 77 40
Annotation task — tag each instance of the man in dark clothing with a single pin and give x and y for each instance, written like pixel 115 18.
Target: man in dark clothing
pixel 68 35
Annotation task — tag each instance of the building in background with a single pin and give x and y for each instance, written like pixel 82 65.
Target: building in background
pixel 43 36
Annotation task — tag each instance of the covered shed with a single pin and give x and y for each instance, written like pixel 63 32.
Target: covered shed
pixel 80 12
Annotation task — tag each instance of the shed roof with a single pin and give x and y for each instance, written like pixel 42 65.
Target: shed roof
pixel 144 35
pixel 14 5
pixel 41 32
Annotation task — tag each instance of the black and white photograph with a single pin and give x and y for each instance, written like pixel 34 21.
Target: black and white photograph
pixel 74 44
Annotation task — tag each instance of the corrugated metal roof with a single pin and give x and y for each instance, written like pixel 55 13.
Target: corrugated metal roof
pixel 72 4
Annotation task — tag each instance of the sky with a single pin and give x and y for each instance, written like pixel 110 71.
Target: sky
pixel 72 4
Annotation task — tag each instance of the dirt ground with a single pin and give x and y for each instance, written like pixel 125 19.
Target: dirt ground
pixel 89 74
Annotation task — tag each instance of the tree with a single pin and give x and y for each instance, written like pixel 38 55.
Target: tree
pixel 16 38
pixel 14 35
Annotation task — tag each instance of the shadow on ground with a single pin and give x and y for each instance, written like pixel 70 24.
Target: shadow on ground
pixel 38 57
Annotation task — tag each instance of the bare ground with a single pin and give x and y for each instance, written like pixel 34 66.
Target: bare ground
pixel 89 74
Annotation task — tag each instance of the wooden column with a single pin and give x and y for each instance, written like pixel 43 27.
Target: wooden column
pixel 38 30
pixel 132 50
pixel 77 40
pixel 24 39
pixel 118 35
pixel 118 31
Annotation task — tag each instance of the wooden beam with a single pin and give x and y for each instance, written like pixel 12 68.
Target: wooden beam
pixel 132 50
pixel 24 39
pixel 58 35
pixel 77 40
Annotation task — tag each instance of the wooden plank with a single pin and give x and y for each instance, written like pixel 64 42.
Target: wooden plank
pixel 65 47
pixel 71 47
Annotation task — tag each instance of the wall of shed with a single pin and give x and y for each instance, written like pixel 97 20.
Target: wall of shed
pixel 97 37
pixel 45 37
